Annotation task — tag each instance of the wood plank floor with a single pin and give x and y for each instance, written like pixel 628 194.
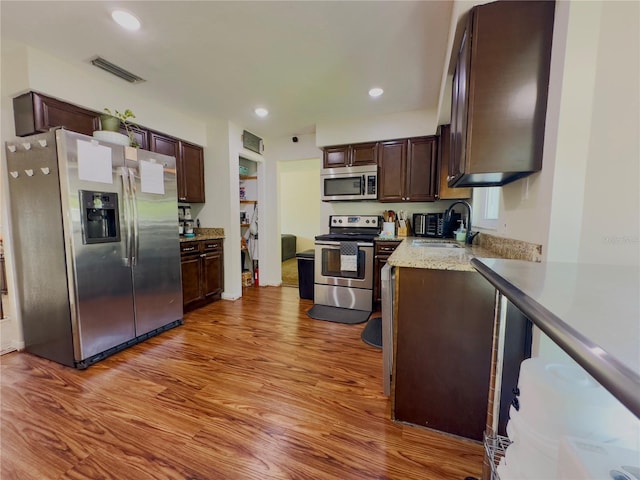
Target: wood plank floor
pixel 250 389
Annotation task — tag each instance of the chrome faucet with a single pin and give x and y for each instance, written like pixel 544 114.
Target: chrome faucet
pixel 447 218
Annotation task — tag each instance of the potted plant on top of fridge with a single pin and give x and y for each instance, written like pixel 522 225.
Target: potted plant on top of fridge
pixel 110 127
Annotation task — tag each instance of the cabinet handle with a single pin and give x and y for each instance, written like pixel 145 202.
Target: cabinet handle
pixel 449 177
pixel 202 255
pixel 188 249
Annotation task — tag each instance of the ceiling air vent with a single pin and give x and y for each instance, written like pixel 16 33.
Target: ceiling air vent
pixel 251 142
pixel 116 70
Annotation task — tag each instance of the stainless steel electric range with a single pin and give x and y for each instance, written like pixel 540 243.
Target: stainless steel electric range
pixel 343 274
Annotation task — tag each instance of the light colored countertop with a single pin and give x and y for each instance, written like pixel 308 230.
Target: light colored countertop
pixel 591 311
pixel 409 254
pixel 204 234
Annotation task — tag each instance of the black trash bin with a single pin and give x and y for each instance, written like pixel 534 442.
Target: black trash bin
pixel 305 273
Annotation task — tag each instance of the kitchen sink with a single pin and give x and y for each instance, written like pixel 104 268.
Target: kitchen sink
pixel 432 244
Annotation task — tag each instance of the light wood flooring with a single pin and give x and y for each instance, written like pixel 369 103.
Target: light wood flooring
pixel 249 389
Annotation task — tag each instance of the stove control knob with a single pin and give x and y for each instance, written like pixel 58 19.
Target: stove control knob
pixel 340 221
pixel 367 221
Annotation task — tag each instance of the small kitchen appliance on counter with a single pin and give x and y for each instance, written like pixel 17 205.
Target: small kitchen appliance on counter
pixel 343 267
pixel 435 225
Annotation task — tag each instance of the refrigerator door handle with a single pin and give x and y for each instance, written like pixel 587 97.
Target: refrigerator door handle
pixel 127 215
pixel 134 202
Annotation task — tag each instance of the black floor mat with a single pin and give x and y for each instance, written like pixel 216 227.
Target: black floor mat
pixel 338 315
pixel 372 333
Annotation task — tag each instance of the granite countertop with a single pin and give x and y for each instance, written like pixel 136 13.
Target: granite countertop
pixel 447 258
pixel 408 254
pixel 204 234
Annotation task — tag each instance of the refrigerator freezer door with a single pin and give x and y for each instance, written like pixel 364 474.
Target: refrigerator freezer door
pixel 38 247
pixel 156 249
pixel 100 281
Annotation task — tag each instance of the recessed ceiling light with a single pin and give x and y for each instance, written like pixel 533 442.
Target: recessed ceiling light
pixel 261 112
pixel 376 92
pixel 125 20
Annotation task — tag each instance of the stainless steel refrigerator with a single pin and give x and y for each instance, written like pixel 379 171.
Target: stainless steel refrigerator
pixel 95 237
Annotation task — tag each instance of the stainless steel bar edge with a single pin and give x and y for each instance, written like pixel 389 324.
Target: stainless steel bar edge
pixel 617 378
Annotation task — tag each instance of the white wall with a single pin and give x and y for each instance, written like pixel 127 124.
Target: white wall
pixel 90 87
pixel 611 212
pixel 299 191
pixel 383 127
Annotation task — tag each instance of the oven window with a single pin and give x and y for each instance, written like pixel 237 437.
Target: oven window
pixel 330 263
pixel 343 186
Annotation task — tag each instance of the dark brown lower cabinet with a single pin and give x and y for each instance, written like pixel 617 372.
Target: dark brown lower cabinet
pixel 442 356
pixel 202 272
pixel 383 250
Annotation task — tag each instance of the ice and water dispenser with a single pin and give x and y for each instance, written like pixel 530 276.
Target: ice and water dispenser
pixel 99 213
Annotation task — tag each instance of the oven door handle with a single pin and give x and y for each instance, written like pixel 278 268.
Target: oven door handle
pixel 332 243
pixel 364 188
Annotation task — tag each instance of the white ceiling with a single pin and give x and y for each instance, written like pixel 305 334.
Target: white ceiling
pixel 306 61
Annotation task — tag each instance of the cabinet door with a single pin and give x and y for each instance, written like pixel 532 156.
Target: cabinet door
pixel 191 280
pixel 335 156
pixel 442 362
pixel 420 182
pixel 444 192
pixel 213 273
pixel 163 144
pixel 459 110
pixel 140 135
pixel 34 113
pixel 191 173
pixel 168 146
pixel 392 172
pixel 364 154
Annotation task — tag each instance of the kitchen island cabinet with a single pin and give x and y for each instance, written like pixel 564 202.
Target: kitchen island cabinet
pixel 442 361
pixel 408 170
pixel 442 330
pixel 202 264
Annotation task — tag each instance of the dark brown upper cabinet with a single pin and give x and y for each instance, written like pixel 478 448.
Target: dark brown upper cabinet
pixel 140 135
pixel 444 152
pixel 191 173
pixel 499 93
pixel 189 165
pixel 350 155
pixel 164 144
pixel 408 170
pixel 37 113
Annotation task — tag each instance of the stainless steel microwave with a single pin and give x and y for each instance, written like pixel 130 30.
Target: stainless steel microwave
pixel 349 183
